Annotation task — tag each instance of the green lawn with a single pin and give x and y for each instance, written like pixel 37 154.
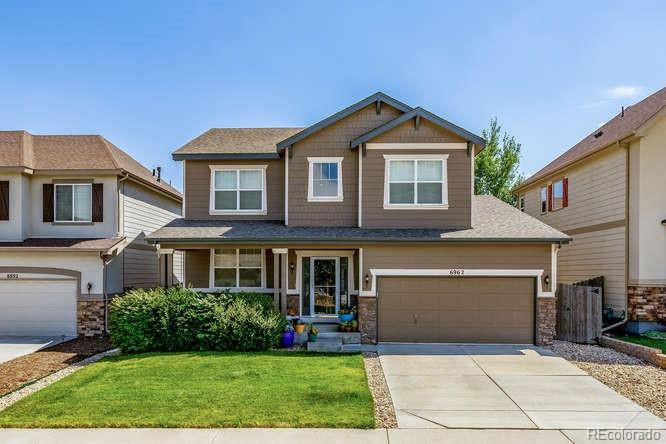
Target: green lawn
pixel 205 389
pixel 642 340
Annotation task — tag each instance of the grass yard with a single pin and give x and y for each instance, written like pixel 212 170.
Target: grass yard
pixel 642 340
pixel 205 389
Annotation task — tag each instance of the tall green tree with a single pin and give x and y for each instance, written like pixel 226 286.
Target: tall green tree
pixel 496 167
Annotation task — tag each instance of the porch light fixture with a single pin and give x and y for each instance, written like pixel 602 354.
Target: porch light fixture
pixel 367 279
pixel 291 266
pixel 546 279
pixel 663 222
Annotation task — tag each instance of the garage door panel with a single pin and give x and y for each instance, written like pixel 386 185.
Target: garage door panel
pixel 38 307
pixel 470 309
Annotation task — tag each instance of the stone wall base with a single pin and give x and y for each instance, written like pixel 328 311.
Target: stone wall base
pixel 367 319
pixel 646 303
pixel 546 311
pixel 90 317
pixel 652 355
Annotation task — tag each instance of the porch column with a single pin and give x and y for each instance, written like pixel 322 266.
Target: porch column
pixel 280 275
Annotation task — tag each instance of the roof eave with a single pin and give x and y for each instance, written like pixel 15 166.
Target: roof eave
pixel 224 156
pixel 379 96
pixel 355 241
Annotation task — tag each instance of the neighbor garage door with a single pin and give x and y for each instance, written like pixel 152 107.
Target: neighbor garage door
pixel 464 309
pixel 38 307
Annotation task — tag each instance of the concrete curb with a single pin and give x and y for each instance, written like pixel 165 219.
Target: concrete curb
pixel 39 384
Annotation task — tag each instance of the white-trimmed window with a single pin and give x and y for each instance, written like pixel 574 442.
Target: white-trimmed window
pixel 238 189
pixel 325 179
pixel 73 202
pixel 521 203
pixel 543 194
pixel 237 268
pixel 558 194
pixel 415 181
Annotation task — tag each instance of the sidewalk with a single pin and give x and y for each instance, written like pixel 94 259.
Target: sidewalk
pixel 292 436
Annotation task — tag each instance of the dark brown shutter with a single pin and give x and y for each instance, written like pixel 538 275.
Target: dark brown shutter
pixel 97 202
pixel 550 197
pixel 565 192
pixel 47 202
pixel 4 200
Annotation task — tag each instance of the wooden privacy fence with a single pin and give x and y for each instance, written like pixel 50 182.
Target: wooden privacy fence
pixel 578 313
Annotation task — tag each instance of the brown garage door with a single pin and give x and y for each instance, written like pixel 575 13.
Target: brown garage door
pixel 464 309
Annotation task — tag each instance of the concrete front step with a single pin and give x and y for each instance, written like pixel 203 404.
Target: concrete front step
pixel 331 345
pixel 347 338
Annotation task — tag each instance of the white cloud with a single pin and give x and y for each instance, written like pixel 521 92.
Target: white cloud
pixel 622 92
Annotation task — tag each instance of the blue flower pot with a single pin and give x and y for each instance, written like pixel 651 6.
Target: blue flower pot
pixel 346 317
pixel 287 339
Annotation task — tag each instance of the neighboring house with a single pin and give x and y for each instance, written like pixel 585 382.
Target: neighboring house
pixel 373 207
pixel 607 192
pixel 74 212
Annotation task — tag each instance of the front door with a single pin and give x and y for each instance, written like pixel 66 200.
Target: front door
pixel 325 285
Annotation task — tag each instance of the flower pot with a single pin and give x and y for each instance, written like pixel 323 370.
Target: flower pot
pixel 346 317
pixel 287 339
pixel 313 338
pixel 300 328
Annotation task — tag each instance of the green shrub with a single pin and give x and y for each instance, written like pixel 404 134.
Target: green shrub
pixel 179 319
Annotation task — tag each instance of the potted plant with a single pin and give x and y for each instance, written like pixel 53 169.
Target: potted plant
pixel 313 332
pixel 345 327
pixel 345 314
pixel 299 327
pixel 287 338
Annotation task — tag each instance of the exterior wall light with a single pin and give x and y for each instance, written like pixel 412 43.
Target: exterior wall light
pixel 291 266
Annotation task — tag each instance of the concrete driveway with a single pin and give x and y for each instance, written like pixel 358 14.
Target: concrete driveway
pixel 14 346
pixel 501 387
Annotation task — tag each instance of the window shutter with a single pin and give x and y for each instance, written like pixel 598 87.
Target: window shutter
pixel 550 197
pixel 98 202
pixel 4 200
pixel 47 202
pixel 565 192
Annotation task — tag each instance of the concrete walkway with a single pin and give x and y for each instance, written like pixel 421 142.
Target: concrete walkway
pixel 501 387
pixel 12 347
pixel 288 436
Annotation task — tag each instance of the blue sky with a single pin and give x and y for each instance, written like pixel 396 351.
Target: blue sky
pixel 150 76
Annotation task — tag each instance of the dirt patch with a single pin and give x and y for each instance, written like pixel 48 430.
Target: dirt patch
pixel 384 413
pixel 634 378
pixel 25 369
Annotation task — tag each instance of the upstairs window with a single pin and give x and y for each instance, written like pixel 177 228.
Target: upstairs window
pixel 325 179
pixel 521 203
pixel 237 267
pixel 73 202
pixel 415 182
pixel 543 193
pixel 238 190
pixel 560 194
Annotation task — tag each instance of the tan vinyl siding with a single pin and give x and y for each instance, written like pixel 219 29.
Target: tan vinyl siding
pixel 458 215
pixel 197 189
pixel 143 211
pixel 332 141
pixel 598 253
pixel 597 199
pixel 458 256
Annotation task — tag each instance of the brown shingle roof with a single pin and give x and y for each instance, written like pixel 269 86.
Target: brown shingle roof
pixel 618 128
pixel 237 141
pixel 71 152
pixel 493 221
pixel 97 244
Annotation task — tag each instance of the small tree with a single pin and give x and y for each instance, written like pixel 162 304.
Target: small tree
pixel 496 167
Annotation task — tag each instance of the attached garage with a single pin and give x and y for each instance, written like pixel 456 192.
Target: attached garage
pixel 38 307
pixel 456 309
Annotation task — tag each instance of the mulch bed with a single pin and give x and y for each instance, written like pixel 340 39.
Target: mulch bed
pixel 18 372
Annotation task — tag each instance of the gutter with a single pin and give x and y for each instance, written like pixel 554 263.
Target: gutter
pixel 351 241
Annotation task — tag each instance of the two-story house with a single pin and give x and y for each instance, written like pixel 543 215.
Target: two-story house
pixel 607 193
pixel 74 213
pixel 372 208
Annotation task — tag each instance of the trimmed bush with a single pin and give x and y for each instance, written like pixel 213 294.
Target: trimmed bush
pixel 179 319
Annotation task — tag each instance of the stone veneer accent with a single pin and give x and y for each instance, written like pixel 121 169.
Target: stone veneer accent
pixel 292 304
pixel 653 355
pixel 546 311
pixel 367 319
pixel 90 317
pixel 647 303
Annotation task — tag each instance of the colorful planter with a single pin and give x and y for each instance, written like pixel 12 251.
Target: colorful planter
pixel 287 339
pixel 313 338
pixel 300 328
pixel 346 317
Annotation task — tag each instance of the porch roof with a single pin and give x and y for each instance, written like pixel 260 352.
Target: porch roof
pixel 493 221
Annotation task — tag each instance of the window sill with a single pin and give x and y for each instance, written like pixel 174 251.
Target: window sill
pixel 324 199
pixel 416 207
pixel 237 213
pixel 72 223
